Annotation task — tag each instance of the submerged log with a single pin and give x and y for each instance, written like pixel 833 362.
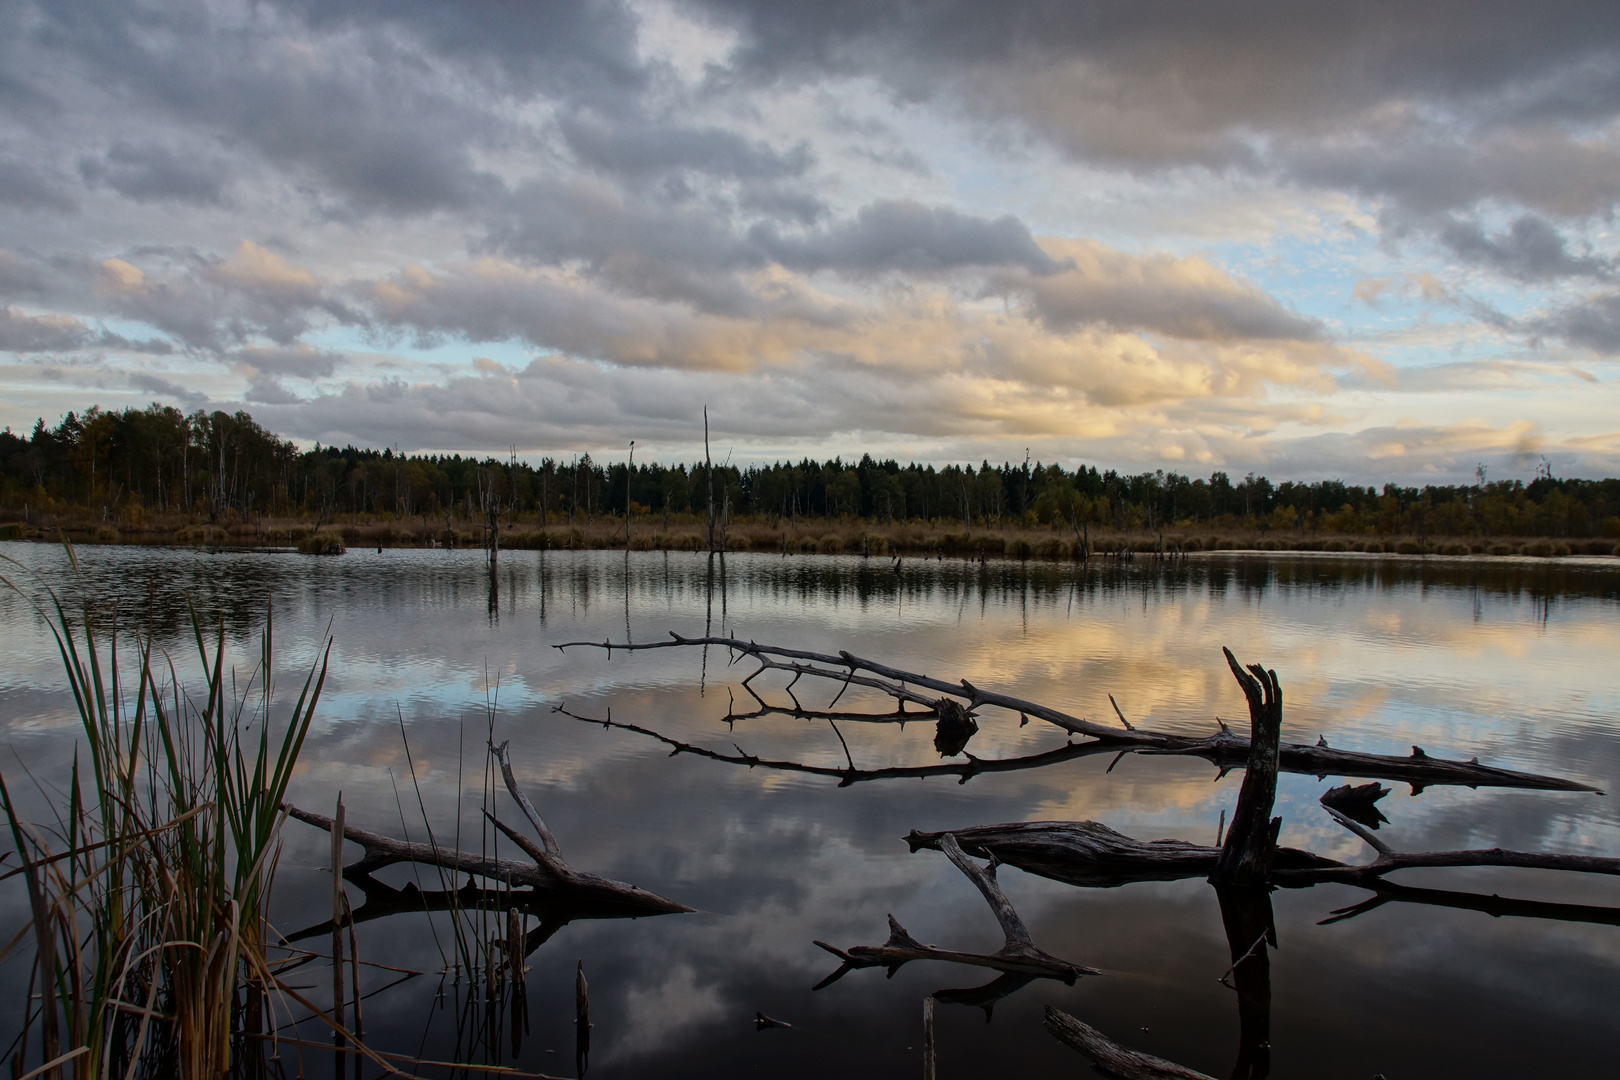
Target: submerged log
pixel 1225 749
pixel 1091 855
pixel 1020 955
pixel 548 872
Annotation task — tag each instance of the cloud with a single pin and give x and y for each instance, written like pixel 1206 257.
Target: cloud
pixel 1592 323
pixel 266 390
pixel 1368 290
pixel 163 388
pixel 30 187
pixel 155 173
pixel 40 333
pixel 1531 250
pixel 904 235
pixel 1179 297
pixel 646 148
pixel 215 304
pixel 1114 229
pixel 299 361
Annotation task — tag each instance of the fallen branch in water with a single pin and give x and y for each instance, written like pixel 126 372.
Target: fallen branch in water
pixel 1110 1056
pixel 1225 749
pixel 548 872
pixel 1020 955
pixel 1389 860
pixel 847 775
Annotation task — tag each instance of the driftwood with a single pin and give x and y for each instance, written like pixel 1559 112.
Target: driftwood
pixel 1225 749
pixel 548 872
pixel 1020 955
pixel 1110 1056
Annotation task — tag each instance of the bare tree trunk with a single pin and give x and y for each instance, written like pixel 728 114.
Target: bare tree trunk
pixel 708 467
pixel 1251 842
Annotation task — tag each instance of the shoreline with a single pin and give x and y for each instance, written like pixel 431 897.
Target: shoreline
pixel 802 537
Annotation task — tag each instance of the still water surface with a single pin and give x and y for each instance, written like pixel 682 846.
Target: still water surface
pixel 1514 662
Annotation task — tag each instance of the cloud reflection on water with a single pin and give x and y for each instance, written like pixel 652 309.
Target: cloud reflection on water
pixel 1506 660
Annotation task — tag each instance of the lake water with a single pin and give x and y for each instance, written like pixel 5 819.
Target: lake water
pixel 1512 661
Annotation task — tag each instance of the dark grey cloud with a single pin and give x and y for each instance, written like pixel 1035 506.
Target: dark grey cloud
pixel 19 277
pixel 156 173
pixel 160 387
pixel 267 390
pixel 649 147
pixel 20 332
pixel 23 333
pixel 1381 97
pixel 362 118
pixel 298 361
pixel 905 235
pixel 1592 323
pixel 30 187
pixel 584 51
pixel 1531 250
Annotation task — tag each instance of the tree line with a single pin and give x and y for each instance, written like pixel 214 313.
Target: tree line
pixel 126 465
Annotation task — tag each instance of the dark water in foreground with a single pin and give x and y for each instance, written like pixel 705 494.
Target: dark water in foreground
pixel 1512 661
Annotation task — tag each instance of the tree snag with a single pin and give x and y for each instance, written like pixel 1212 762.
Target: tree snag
pixel 1251 839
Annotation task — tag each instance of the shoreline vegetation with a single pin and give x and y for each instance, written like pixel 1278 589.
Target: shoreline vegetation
pixel 842 536
pixel 160 476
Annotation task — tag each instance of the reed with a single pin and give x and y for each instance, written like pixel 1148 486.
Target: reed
pixel 148 897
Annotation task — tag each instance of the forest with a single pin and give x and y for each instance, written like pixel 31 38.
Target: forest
pixel 126 466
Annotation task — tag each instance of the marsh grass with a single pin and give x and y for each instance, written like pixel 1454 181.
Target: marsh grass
pixel 148 893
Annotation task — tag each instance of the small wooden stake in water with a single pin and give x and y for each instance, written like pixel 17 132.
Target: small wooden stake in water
pixel 928 1038
pixel 337 932
pixel 582 1021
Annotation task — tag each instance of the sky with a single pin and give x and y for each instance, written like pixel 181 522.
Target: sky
pixel 1373 241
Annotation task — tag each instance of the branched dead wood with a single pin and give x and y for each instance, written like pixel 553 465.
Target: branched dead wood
pixel 847 775
pixel 1020 955
pixel 548 872
pixel 1110 1056
pixel 1224 748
